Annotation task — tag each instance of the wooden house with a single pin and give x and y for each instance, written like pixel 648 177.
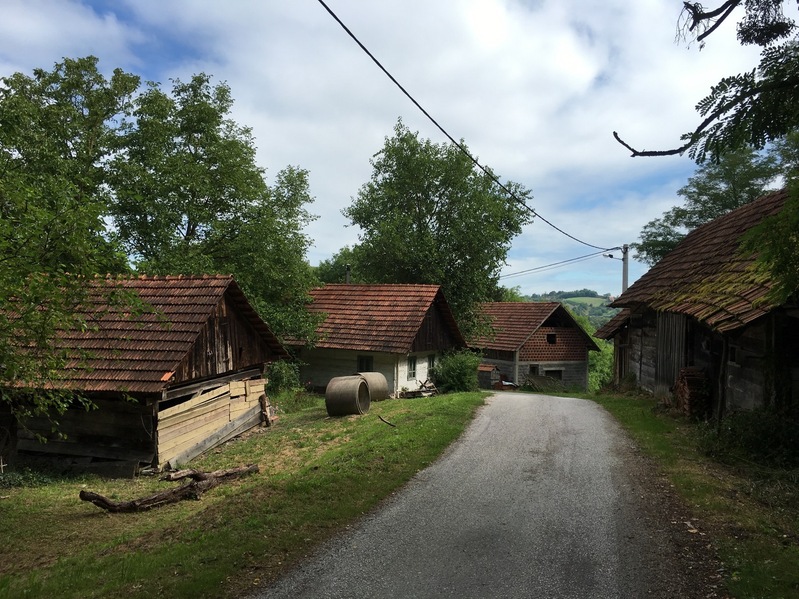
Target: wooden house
pixel 700 323
pixel 397 330
pixel 535 339
pixel 171 377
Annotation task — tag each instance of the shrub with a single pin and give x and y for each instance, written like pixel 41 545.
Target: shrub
pixel 282 376
pixel 763 436
pixel 456 371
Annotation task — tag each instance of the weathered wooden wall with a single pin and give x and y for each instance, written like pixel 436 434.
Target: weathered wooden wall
pixel 212 417
pixel 433 335
pixel 227 343
pixel 117 429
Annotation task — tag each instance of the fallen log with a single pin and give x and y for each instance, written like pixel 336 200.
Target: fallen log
pixel 201 482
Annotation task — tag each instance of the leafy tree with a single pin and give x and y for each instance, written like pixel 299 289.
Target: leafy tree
pixel 189 198
pixel 429 216
pixel 55 135
pixel 716 188
pixel 748 109
pixel 334 270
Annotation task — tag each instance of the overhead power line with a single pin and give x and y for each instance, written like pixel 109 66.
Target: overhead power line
pixel 460 146
pixel 554 265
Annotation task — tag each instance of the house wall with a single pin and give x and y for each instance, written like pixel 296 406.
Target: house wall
pixel 642 352
pixel 320 365
pixel 227 343
pixel 761 366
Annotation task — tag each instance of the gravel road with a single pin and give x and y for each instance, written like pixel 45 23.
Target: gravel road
pixel 541 497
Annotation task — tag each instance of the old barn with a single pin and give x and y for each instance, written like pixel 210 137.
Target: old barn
pixel 700 324
pixel 171 377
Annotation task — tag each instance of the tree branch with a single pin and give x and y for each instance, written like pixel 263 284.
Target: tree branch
pixel 713 116
pixel 202 481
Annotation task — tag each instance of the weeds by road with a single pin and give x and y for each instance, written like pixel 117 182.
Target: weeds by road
pixel 749 510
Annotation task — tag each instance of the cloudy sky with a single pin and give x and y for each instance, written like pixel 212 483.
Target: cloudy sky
pixel 534 87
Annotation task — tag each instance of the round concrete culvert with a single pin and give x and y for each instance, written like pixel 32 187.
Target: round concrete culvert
pixel 347 395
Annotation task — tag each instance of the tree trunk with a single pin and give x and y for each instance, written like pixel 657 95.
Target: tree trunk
pixel 201 482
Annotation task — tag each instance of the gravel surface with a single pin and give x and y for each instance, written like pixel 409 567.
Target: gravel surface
pixel 541 497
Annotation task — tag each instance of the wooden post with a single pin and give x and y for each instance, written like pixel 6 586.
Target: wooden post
pixel 2 465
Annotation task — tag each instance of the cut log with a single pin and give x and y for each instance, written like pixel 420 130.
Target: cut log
pixel 201 482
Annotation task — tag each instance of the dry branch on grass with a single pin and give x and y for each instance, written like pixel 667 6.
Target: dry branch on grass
pixel 201 482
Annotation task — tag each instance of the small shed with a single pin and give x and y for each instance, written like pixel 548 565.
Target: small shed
pixel 170 378
pixel 397 330
pixel 535 339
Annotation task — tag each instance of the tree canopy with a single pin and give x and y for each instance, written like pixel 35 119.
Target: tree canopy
pixel 738 178
pixel 55 132
pixel 428 215
pixel 99 176
pixel 189 198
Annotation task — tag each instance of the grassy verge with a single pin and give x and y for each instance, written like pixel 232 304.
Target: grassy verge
pixel 752 511
pixel 317 474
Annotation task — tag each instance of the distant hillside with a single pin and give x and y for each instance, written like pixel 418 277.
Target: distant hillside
pixel 583 302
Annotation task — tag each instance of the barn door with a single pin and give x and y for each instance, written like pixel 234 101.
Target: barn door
pixel 671 347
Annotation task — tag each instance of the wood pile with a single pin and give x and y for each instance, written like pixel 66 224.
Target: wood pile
pixel 210 418
pixel 691 392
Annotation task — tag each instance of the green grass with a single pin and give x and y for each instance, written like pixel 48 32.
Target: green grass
pixel 317 474
pixel 751 511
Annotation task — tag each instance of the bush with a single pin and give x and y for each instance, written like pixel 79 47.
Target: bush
pixel 763 436
pixel 282 376
pixel 456 371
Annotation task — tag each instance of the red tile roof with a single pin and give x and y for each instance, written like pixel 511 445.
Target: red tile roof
pixel 377 318
pixel 138 352
pixel 706 276
pixel 611 327
pixel 515 322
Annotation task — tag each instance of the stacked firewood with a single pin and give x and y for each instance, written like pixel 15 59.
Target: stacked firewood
pixel 692 392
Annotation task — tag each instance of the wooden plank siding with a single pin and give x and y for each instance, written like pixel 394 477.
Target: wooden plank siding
pixel 671 353
pixel 193 426
pixel 223 345
pixel 116 429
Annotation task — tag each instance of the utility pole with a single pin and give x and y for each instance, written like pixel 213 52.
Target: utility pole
pixel 625 263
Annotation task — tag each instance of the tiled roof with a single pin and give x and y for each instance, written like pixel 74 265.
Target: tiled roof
pixel 706 276
pixel 377 318
pixel 513 323
pixel 611 327
pixel 137 352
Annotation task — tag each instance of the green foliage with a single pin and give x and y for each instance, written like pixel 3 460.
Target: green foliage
pixel 600 366
pixel 190 199
pixel 428 215
pixel 334 270
pixel 55 134
pixel 282 375
pixel 764 436
pixel 456 371
pixel 717 187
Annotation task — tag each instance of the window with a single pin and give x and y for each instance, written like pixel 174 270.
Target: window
pixel 552 338
pixel 411 367
pixel 431 362
pixel 366 364
pixel 533 370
